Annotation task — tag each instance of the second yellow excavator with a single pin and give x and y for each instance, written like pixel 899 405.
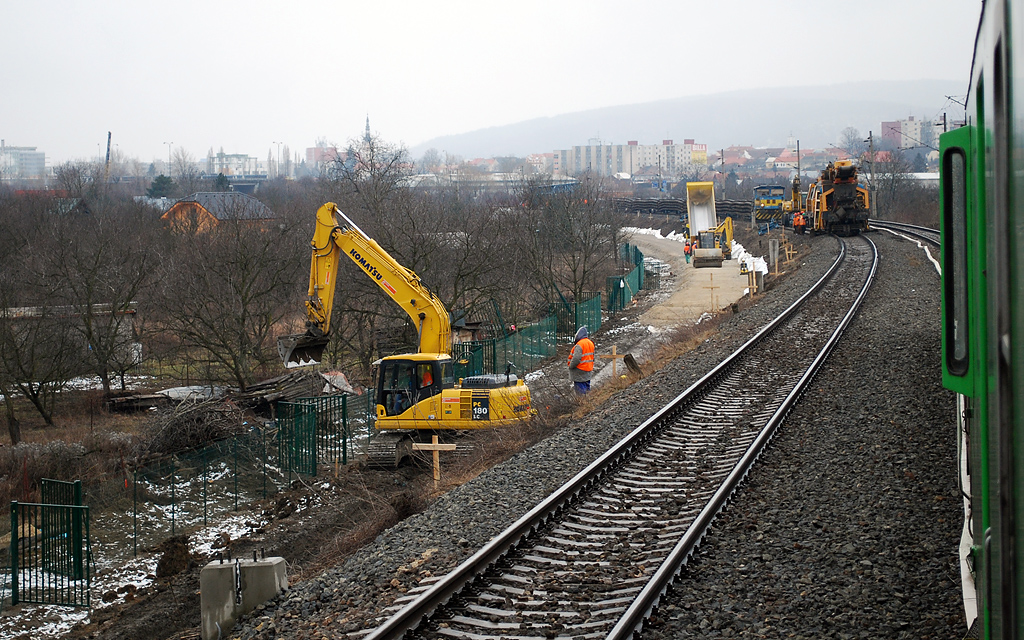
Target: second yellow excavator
pixel 416 394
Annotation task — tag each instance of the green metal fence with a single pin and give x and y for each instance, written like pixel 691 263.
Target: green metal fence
pixel 50 553
pixel 570 316
pixel 524 349
pixel 297 437
pixel 469 358
pixel 633 255
pixel 60 491
pixel 621 290
pixel 187 490
pixel 333 433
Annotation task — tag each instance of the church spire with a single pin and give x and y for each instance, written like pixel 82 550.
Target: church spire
pixel 366 136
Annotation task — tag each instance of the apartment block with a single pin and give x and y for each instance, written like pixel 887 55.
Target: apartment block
pixel 667 159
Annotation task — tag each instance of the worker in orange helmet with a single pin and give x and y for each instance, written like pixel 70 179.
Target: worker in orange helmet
pixel 687 250
pixel 799 223
pixel 581 362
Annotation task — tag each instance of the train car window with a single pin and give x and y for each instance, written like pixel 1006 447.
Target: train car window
pixel 954 173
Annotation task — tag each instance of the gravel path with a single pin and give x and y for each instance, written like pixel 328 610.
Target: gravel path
pixel 889 461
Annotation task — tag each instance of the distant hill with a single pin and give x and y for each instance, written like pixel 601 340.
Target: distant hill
pixel 757 117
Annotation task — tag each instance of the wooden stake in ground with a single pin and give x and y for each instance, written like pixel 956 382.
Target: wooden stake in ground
pixel 436 448
pixel 615 358
pixel 790 252
pixel 712 287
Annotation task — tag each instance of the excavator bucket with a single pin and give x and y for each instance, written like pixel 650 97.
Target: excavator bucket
pixel 301 350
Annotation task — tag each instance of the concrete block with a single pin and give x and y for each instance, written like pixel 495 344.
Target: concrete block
pixel 229 590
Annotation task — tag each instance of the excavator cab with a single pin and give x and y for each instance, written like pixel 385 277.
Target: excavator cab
pixel 404 381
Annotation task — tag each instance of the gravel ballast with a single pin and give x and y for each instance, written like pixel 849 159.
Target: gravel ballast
pixel 848 524
pixel 848 527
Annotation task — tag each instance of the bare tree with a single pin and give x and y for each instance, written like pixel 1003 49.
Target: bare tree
pixel 186 172
pixel 286 167
pixel 13 247
pixel 891 181
pixel 224 290
pixel 97 267
pixel 38 354
pixel 852 142
pixel 573 244
pixel 76 178
pixel 369 173
pixel 430 162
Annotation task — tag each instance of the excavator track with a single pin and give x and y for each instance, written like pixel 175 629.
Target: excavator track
pixel 389 448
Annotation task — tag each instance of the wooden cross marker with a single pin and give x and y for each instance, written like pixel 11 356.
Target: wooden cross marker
pixel 752 282
pixel 615 359
pixel 435 448
pixel 790 252
pixel 712 287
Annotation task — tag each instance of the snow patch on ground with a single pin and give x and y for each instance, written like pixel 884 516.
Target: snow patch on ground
pixel 672 235
pixel 85 383
pixel 629 328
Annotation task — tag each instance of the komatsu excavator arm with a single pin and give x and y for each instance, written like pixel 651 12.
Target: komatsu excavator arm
pixel 336 235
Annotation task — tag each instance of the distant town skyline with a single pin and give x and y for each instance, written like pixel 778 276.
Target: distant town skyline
pixel 247 76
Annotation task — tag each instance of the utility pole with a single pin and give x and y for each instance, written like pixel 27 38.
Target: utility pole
pixel 798 159
pixel 873 191
pixel 723 174
pixel 106 167
pixel 798 185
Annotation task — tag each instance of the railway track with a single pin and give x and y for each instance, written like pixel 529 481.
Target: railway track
pixel 593 559
pixel 924 234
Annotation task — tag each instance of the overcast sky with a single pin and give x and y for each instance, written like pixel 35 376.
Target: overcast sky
pixel 244 75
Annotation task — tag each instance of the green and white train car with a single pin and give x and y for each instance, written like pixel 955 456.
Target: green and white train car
pixel 983 319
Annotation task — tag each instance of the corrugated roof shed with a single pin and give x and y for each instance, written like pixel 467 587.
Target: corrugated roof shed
pixel 229 205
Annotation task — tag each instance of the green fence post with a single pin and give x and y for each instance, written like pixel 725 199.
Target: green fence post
pixel 174 502
pixel 234 444
pixel 135 513
pixel 76 543
pixel 205 484
pixel 14 553
pixel 344 429
pixel 88 569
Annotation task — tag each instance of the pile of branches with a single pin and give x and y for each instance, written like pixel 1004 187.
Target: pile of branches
pixel 192 425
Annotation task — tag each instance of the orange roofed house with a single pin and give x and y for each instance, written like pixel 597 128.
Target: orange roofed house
pixel 203 211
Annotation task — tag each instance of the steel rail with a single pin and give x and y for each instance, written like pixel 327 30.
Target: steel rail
pixel 412 614
pixel 925 234
pixel 633 619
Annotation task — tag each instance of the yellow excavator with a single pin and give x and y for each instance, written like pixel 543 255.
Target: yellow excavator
pixel 416 394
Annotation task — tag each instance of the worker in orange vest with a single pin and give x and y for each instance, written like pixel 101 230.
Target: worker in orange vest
pixel 687 250
pixel 581 362
pixel 799 223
